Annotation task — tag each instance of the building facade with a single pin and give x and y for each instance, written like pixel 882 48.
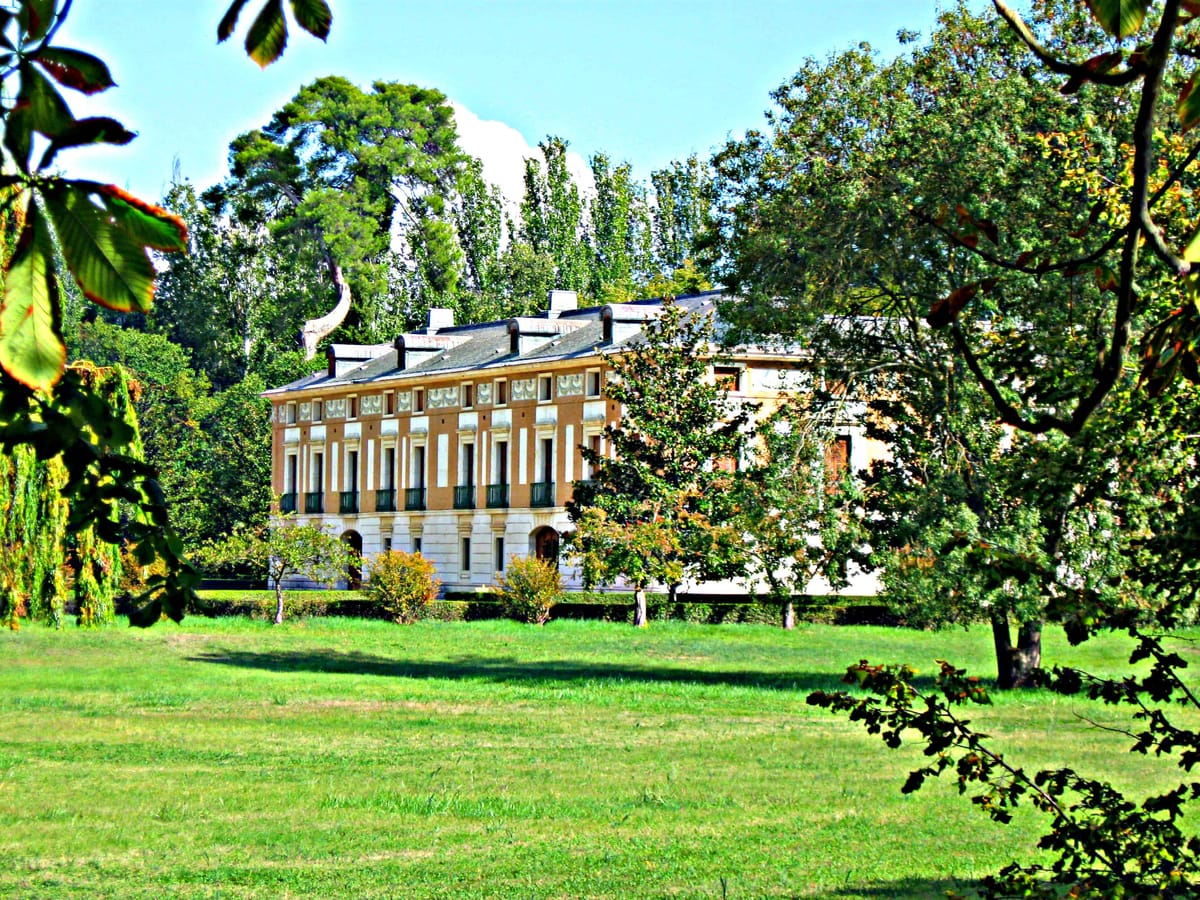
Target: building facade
pixel 464 442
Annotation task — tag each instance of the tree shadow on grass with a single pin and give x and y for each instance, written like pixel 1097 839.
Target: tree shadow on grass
pixel 907 889
pixel 509 669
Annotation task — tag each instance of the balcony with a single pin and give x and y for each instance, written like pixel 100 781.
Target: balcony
pixel 314 502
pixel 348 502
pixel 414 498
pixel 287 502
pixel 497 496
pixel 385 500
pixel 464 496
pixel 541 493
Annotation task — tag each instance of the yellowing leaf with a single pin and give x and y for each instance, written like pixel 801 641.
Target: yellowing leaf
pixel 1120 18
pixel 267 37
pixel 31 344
pixel 1188 106
pixel 109 264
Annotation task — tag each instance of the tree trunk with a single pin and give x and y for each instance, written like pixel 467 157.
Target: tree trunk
pixel 278 603
pixel 1015 664
pixel 316 330
pixel 789 615
pixel 640 618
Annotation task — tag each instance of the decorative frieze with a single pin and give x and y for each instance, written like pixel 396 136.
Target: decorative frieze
pixel 483 394
pixel 570 385
pixel 524 389
pixel 371 405
pixel 305 412
pixel 335 409
pixel 443 398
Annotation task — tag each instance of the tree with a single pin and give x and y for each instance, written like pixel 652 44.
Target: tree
pixel 287 550
pixel 657 508
pixel 342 170
pixel 879 187
pixel 552 216
pixel 103 235
pixel 1041 242
pixel 799 506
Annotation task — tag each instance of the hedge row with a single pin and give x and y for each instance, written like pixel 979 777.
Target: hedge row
pixel 459 607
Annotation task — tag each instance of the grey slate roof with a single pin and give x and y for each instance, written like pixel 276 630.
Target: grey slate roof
pixel 573 333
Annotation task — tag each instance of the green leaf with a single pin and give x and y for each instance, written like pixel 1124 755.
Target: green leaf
pixel 229 20
pixel 148 225
pixel 31 345
pixel 18 135
pixel 35 17
pixel 313 16
pixel 267 37
pixel 1191 252
pixel 110 265
pixel 1120 18
pixel 1188 106
pixel 93 130
pixel 48 112
pixel 76 69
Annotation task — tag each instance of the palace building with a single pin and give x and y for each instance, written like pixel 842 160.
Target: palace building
pixel 463 442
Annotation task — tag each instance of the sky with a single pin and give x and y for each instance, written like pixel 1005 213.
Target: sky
pixel 645 81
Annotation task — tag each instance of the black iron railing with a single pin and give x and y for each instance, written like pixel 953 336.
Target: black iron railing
pixel 314 502
pixel 385 500
pixel 414 498
pixel 287 502
pixel 497 496
pixel 348 502
pixel 541 493
pixel 464 496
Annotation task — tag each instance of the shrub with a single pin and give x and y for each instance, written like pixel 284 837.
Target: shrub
pixel 529 589
pixel 402 585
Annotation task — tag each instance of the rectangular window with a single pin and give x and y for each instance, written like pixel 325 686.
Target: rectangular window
pixel 468 396
pixel 418 467
pixel 352 470
pixel 318 410
pixel 465 555
pixel 318 472
pixel 416 545
pixel 545 387
pixel 468 465
pixel 594 446
pixel 290 473
pixel 387 545
pixel 728 378
pixel 547 459
pixel 290 414
pixel 501 466
pixel 837 456
pixel 501 393
pixel 419 400
pixel 352 408
pixel 387 478
pixel 389 403
pixel 593 383
pixel 499 554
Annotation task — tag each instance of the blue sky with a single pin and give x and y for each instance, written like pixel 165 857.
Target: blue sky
pixel 646 81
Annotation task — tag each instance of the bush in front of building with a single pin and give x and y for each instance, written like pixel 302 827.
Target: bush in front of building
pixel 528 589
pixel 402 585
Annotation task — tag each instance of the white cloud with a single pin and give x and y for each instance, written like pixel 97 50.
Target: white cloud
pixel 503 151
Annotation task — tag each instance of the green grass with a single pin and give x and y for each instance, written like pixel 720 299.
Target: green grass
pixel 346 758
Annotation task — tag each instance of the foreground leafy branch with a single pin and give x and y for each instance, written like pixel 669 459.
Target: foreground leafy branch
pixel 1105 846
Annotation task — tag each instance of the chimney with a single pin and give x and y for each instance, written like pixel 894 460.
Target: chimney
pixel 560 302
pixel 439 319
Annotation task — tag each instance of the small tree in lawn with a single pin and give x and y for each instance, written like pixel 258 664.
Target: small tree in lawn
pixel 287 550
pixel 659 508
pixel 799 508
pixel 529 588
pixel 403 585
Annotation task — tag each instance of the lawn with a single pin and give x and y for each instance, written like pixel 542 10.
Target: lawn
pixel 342 758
